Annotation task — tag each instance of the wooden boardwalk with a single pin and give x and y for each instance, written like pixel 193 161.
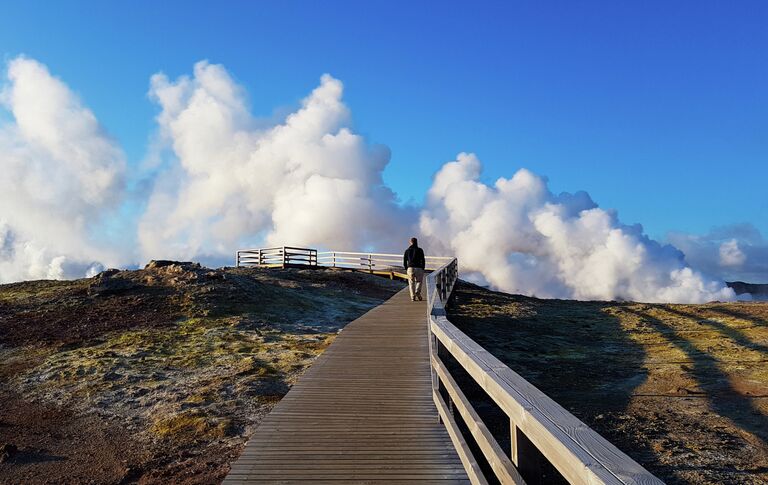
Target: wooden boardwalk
pixel 363 413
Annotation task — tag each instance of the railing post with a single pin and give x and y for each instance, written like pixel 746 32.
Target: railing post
pixel 513 442
pixel 370 263
pixel 334 259
pixel 237 259
pixel 444 285
pixel 261 261
pixel 530 462
pixel 433 351
pixel 285 257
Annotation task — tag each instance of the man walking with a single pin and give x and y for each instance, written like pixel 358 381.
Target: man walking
pixel 414 264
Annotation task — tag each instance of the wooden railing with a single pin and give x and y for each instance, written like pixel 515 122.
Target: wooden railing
pixel 286 256
pixel 372 261
pixel 540 429
pixel 283 256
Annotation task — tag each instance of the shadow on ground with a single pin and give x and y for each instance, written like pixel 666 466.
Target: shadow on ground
pixel 682 389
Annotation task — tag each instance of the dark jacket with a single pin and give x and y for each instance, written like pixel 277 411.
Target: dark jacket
pixel 414 258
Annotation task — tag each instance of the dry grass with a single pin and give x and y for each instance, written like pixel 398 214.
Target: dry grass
pixel 182 360
pixel 681 388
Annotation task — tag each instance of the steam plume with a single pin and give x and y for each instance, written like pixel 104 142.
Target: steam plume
pixel 307 180
pixel 60 175
pixel 519 237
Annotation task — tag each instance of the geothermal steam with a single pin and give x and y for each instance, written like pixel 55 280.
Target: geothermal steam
pixel 224 179
pixel 59 176
pixel 308 180
pixel 519 237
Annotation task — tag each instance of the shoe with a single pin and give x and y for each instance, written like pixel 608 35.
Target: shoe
pixel 420 298
pixel 413 299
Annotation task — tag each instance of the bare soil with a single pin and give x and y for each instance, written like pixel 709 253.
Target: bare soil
pixel 158 375
pixel 683 389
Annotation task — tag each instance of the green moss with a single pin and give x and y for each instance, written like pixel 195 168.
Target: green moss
pixel 191 425
pixel 33 291
pixel 211 356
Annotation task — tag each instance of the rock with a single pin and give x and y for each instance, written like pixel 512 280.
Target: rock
pixel 112 376
pixel 150 280
pixel 9 448
pixel 7 451
pixel 162 263
pixel 107 273
pixel 107 285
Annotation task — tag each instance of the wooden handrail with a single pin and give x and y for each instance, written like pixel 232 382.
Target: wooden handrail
pixel 579 453
pixel 445 258
pixel 294 256
pixel 278 256
pixel 260 249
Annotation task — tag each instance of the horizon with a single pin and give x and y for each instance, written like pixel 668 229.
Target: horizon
pixel 563 128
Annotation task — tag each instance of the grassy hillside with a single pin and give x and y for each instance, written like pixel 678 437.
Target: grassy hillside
pixel 158 375
pixel 683 389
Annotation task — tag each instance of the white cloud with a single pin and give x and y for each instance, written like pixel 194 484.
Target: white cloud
pixel 519 237
pixel 308 180
pixel 60 176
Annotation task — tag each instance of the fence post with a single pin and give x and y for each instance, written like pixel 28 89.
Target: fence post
pixel 513 442
pixel 334 259
pixel 443 290
pixel 237 259
pixel 445 286
pixel 370 263
pixel 434 347
pixel 531 463
pixel 285 257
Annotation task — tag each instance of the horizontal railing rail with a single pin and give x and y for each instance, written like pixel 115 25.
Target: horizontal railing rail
pixel 283 256
pixel 539 427
pixel 294 256
pixel 372 262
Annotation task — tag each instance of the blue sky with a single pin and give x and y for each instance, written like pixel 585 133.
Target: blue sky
pixel 659 111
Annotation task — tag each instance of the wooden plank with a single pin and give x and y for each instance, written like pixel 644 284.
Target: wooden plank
pixel 362 413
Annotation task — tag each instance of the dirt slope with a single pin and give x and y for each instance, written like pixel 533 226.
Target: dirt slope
pixel 158 375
